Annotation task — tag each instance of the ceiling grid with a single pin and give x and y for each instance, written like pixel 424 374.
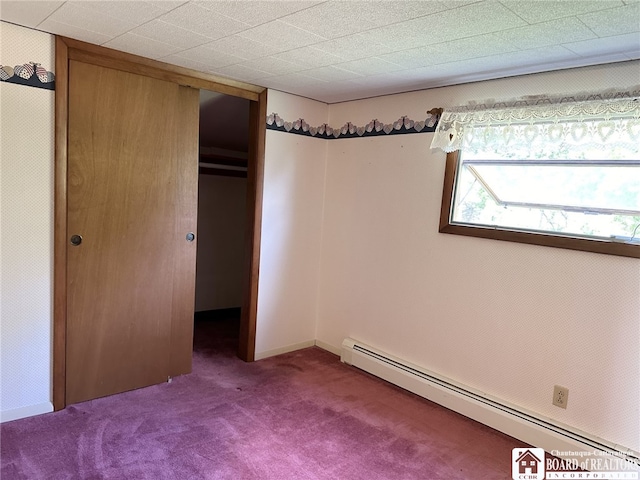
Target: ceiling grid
pixel 340 50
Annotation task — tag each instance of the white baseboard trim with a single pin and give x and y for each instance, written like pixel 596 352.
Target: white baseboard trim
pixel 286 349
pixel 24 412
pixel 328 347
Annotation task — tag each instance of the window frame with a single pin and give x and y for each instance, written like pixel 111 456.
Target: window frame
pixel 520 236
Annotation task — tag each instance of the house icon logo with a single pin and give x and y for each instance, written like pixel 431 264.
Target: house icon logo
pixel 527 464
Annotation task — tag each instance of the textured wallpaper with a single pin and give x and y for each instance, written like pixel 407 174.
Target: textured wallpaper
pixel 26 203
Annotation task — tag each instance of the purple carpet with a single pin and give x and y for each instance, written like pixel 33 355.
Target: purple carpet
pixel 301 415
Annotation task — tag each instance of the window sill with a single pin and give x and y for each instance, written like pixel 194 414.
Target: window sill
pixel 571 243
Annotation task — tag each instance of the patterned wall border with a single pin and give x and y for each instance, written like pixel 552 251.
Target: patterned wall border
pixel 404 125
pixel 31 74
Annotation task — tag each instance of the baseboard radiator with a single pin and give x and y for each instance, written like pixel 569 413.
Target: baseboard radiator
pixel 525 426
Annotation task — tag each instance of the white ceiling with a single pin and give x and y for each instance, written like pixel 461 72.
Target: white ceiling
pixel 340 50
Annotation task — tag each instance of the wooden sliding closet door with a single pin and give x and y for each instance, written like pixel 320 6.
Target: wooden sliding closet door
pixel 132 198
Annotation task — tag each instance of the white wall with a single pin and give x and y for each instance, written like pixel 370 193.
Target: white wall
pixel 220 260
pixel 291 229
pixel 26 247
pixel 508 319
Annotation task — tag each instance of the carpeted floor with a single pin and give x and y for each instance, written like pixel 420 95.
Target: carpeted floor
pixel 302 415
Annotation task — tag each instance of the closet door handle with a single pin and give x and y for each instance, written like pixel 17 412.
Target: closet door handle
pixel 75 240
pixel 191 237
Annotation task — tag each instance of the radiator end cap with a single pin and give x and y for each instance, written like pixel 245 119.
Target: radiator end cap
pixel 346 351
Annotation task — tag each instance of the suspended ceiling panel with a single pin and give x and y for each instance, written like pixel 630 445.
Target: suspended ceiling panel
pixel 342 50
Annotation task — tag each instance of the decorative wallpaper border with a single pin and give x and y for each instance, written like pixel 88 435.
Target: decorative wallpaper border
pixel 404 125
pixel 31 74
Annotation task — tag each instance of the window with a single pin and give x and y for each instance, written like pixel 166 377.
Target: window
pixel 541 183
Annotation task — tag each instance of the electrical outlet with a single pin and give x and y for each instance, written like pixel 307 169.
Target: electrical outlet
pixel 560 396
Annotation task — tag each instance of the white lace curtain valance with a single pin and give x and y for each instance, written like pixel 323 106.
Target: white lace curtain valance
pixel 600 122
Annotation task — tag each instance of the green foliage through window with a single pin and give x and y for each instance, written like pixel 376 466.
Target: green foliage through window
pixel 571 192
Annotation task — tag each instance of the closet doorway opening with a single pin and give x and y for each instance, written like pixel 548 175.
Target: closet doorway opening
pixel 222 205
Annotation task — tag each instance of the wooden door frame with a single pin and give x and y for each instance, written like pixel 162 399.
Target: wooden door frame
pixel 68 49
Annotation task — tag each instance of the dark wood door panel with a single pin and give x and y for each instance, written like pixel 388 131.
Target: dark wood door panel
pixel 132 193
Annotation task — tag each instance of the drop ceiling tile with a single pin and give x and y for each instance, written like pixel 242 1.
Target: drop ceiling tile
pixel 430 77
pixel 240 72
pixel 310 57
pixel 477 46
pixel 472 47
pixel 346 91
pixel 353 47
pixel 28 14
pixel 348 85
pixel 186 63
pixel 273 66
pixel 424 73
pixel 435 42
pixel 415 57
pixel 243 47
pixel 292 80
pixel 331 20
pixel 72 31
pixel 628 43
pixel 460 3
pixel 171 34
pixel 481 69
pixel 383 79
pixel 411 34
pixel 507 64
pixel 143 46
pixel 210 57
pixel 256 12
pixel 553 32
pixel 166 5
pixel 331 74
pixel 535 11
pixel 370 66
pixel 337 19
pixel 614 21
pixel 281 35
pixel 475 19
pixel 380 13
pixel 545 58
pixel 134 11
pixel 372 92
pixel 203 21
pixel 479 18
pixel 418 78
pixel 75 14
